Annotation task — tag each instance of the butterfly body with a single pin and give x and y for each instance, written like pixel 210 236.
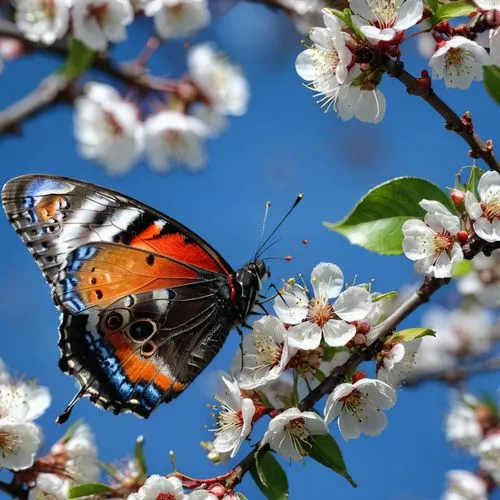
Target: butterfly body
pixel 146 303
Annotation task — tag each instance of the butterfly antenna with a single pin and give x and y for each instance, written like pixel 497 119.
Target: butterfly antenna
pixel 266 212
pixel 63 417
pixel 262 244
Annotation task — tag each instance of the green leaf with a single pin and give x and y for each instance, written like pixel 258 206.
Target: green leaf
pixel 475 175
pixel 433 5
pixel 269 476
pixel 375 222
pixel 79 59
pixel 139 455
pixel 461 268
pixel 387 295
pixel 491 81
pixel 346 18
pixel 329 352
pixel 82 490
pixel 111 470
pixel 319 375
pixel 239 495
pixel 326 451
pixel 411 334
pixel 461 8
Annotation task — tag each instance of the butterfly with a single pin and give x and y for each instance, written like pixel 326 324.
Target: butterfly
pixel 145 302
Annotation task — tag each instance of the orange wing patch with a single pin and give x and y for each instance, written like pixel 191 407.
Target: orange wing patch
pixel 176 246
pixel 116 271
pixel 138 369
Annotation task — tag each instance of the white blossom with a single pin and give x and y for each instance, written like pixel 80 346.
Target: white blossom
pixel 483 281
pixel 107 128
pixel 172 136
pixel 325 63
pixel 37 397
pixel 459 61
pixel 488 4
pixel 465 485
pixel 49 487
pixel 382 20
pixel 42 20
pixel 220 81
pixel 316 317
pixel 462 427
pixel 279 392
pixel 201 495
pixel 358 407
pixel 486 212
pixel 432 242
pixel 289 433
pixel 97 22
pixel 489 452
pixel 494 44
pixel 265 353
pixel 398 362
pixel 19 442
pixel 365 104
pixel 81 455
pixel 157 486
pixel 426 45
pixel 234 418
pixel 326 66
pixel 19 437
pixel 458 333
pixel 177 18
pixel 215 121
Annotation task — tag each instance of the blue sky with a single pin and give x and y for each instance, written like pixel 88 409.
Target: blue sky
pixel 284 145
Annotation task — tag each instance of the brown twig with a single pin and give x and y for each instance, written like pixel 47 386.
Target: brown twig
pixel 54 86
pixel 456 374
pixel 13 490
pixel 460 125
pixel 49 91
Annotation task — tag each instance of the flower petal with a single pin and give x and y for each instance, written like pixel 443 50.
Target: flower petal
pixel 291 305
pixel 305 335
pixel 337 332
pixel 353 304
pixel 327 280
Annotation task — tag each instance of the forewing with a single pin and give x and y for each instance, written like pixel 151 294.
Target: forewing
pixel 54 216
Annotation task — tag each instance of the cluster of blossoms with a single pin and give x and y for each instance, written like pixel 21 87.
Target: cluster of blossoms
pixel 21 403
pixel 435 243
pixel 342 68
pixel 171 488
pixel 473 425
pixel 70 460
pixel 112 130
pixel 463 334
pixel 311 335
pixel 99 22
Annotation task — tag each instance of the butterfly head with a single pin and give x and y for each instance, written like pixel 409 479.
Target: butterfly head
pixel 249 280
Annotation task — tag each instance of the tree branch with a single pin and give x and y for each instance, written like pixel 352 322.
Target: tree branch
pixel 54 86
pixel 49 91
pixel 377 336
pixel 456 374
pixel 461 126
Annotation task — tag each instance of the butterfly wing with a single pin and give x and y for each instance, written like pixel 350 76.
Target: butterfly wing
pixel 145 301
